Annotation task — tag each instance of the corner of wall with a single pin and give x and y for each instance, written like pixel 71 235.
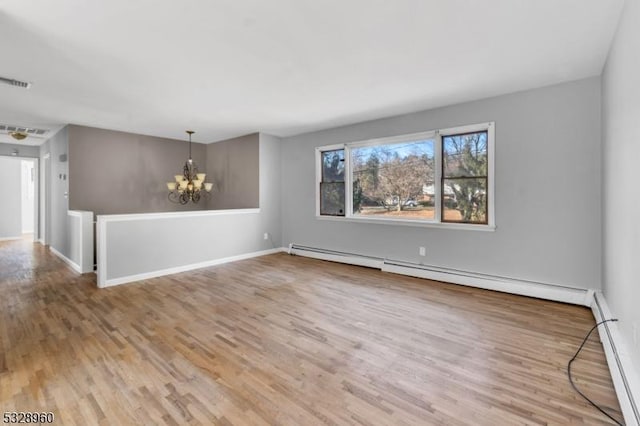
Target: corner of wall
pixel 59 190
pixel 620 101
pixel 271 184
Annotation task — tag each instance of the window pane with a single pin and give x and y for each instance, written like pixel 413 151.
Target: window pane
pixel 333 166
pixel 394 180
pixel 464 155
pixel 332 199
pixel 464 200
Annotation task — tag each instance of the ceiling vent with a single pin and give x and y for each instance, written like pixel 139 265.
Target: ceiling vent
pixel 31 131
pixel 13 82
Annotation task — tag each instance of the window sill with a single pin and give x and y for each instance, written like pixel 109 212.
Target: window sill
pixel 415 223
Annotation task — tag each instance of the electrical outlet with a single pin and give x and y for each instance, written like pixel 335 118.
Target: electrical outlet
pixel 266 236
pixel 422 251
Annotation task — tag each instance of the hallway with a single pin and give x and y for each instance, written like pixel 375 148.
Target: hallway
pixel 23 260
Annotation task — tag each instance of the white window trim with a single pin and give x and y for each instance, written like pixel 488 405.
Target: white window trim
pixel 432 134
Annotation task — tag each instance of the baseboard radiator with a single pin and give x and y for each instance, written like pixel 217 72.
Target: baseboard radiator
pixel 336 256
pixel 620 360
pixel 558 293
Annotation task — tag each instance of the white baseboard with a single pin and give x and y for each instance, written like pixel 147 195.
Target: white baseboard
pixel 557 293
pixel 66 260
pixel 625 379
pixel 11 238
pixel 185 268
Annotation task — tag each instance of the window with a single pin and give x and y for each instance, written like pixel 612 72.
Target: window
pixel 389 180
pixel 465 177
pixel 332 183
pixel 441 178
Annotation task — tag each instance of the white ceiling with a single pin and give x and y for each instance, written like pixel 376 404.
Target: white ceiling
pixel 230 67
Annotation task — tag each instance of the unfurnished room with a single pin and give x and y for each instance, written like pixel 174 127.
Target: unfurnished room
pixel 294 212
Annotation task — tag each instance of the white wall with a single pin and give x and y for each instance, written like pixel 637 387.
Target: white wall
pixel 548 176
pixel 55 193
pixel 621 164
pixel 28 195
pixel 10 198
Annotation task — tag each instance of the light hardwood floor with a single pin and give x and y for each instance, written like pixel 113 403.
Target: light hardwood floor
pixel 287 340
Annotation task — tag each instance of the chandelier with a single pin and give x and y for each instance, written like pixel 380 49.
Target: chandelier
pixel 190 185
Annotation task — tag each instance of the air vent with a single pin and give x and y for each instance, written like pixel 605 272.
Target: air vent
pixel 32 131
pixel 13 82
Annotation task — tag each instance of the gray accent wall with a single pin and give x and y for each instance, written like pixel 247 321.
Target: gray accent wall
pixel 621 163
pixel 270 156
pixel 233 166
pixel 547 185
pixel 116 172
pixel 10 198
pixel 44 219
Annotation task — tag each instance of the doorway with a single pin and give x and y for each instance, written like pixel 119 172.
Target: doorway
pixel 45 200
pixel 19 207
pixel 28 196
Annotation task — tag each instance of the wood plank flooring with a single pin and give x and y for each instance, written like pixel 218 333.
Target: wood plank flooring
pixel 287 340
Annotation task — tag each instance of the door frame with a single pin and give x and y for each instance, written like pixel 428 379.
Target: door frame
pixel 37 193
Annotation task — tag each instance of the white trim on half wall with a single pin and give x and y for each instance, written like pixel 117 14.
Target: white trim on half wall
pixel 185 268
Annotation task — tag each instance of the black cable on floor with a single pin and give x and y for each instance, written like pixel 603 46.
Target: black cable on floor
pixel 571 378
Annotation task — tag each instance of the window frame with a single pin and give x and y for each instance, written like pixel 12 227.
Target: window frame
pixel 437 136
pixel 321 181
pixel 319 151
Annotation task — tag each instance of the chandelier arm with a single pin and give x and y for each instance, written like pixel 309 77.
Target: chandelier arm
pixel 185 171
